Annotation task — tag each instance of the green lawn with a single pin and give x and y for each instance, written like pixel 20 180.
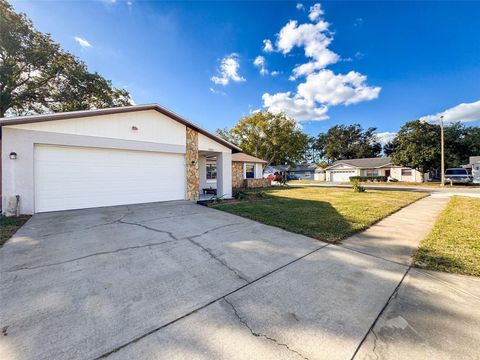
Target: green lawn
pixel 9 225
pixel 328 214
pixel 454 243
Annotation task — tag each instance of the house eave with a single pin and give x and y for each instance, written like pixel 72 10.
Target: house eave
pixel 17 120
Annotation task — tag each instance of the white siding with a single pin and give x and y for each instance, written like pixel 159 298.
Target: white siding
pixel 207 144
pixel 152 127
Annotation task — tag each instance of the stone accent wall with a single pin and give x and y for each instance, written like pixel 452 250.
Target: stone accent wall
pixel 237 175
pixel 191 157
pixel 239 182
pixel 257 183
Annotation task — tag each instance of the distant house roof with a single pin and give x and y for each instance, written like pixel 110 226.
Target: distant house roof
pixel 242 157
pixel 304 167
pixel 366 163
pixel 276 168
pixel 116 110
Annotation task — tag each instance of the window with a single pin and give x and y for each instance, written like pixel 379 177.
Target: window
pixel 306 174
pixel 456 172
pixel 372 173
pixel 249 171
pixel 211 171
pixel 406 172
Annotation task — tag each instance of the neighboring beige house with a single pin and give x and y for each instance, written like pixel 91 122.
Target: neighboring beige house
pixel 342 170
pixel 115 156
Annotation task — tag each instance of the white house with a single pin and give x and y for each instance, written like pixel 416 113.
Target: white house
pixel 115 156
pixel 342 170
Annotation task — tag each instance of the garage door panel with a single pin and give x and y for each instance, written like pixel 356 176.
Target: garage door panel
pixel 74 178
pixel 341 175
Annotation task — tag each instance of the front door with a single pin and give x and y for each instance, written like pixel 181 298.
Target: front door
pixel 387 173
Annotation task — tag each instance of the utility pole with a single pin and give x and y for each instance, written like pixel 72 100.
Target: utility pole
pixel 442 151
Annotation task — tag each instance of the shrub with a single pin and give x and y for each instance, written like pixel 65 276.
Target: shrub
pixel 368 178
pixel 248 194
pixel 356 186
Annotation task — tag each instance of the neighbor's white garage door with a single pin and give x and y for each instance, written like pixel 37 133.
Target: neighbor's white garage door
pixel 341 175
pixel 75 177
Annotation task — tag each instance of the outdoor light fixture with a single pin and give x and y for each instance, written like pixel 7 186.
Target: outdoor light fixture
pixel 134 128
pixel 13 155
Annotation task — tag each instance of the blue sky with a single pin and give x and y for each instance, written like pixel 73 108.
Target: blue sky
pixel 375 63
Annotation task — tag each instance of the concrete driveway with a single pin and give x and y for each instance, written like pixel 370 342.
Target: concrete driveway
pixel 180 281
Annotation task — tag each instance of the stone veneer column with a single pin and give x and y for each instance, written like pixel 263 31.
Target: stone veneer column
pixel 191 156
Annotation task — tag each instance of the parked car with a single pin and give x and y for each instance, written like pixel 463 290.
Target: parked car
pixel 459 176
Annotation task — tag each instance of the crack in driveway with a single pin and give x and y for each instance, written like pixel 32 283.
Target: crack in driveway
pixel 244 322
pixel 169 233
pixel 210 252
pixel 90 255
pixel 163 326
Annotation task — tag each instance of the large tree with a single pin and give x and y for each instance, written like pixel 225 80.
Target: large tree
pixel 37 76
pixel 417 145
pixel 348 142
pixel 272 137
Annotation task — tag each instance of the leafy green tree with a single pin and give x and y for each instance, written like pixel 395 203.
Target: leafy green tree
pixel 472 140
pixel 461 142
pixel 389 148
pixel 37 76
pixel 313 154
pixel 417 145
pixel 348 142
pixel 272 137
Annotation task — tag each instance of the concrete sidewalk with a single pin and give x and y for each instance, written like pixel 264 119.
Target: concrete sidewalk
pixel 432 316
pixel 397 237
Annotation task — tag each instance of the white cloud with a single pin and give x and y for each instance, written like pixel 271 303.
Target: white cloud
pixel 358 22
pixel 322 87
pixel 320 90
pixel 267 46
pixel 275 73
pixel 328 88
pixel 294 106
pixel 259 62
pixel 228 71
pixel 218 92
pixel 386 137
pixel 464 112
pixel 315 12
pixel 359 55
pixel 300 6
pixel 82 42
pixel 314 38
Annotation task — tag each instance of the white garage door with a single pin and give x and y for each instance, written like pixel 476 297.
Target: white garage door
pixel 76 178
pixel 341 175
